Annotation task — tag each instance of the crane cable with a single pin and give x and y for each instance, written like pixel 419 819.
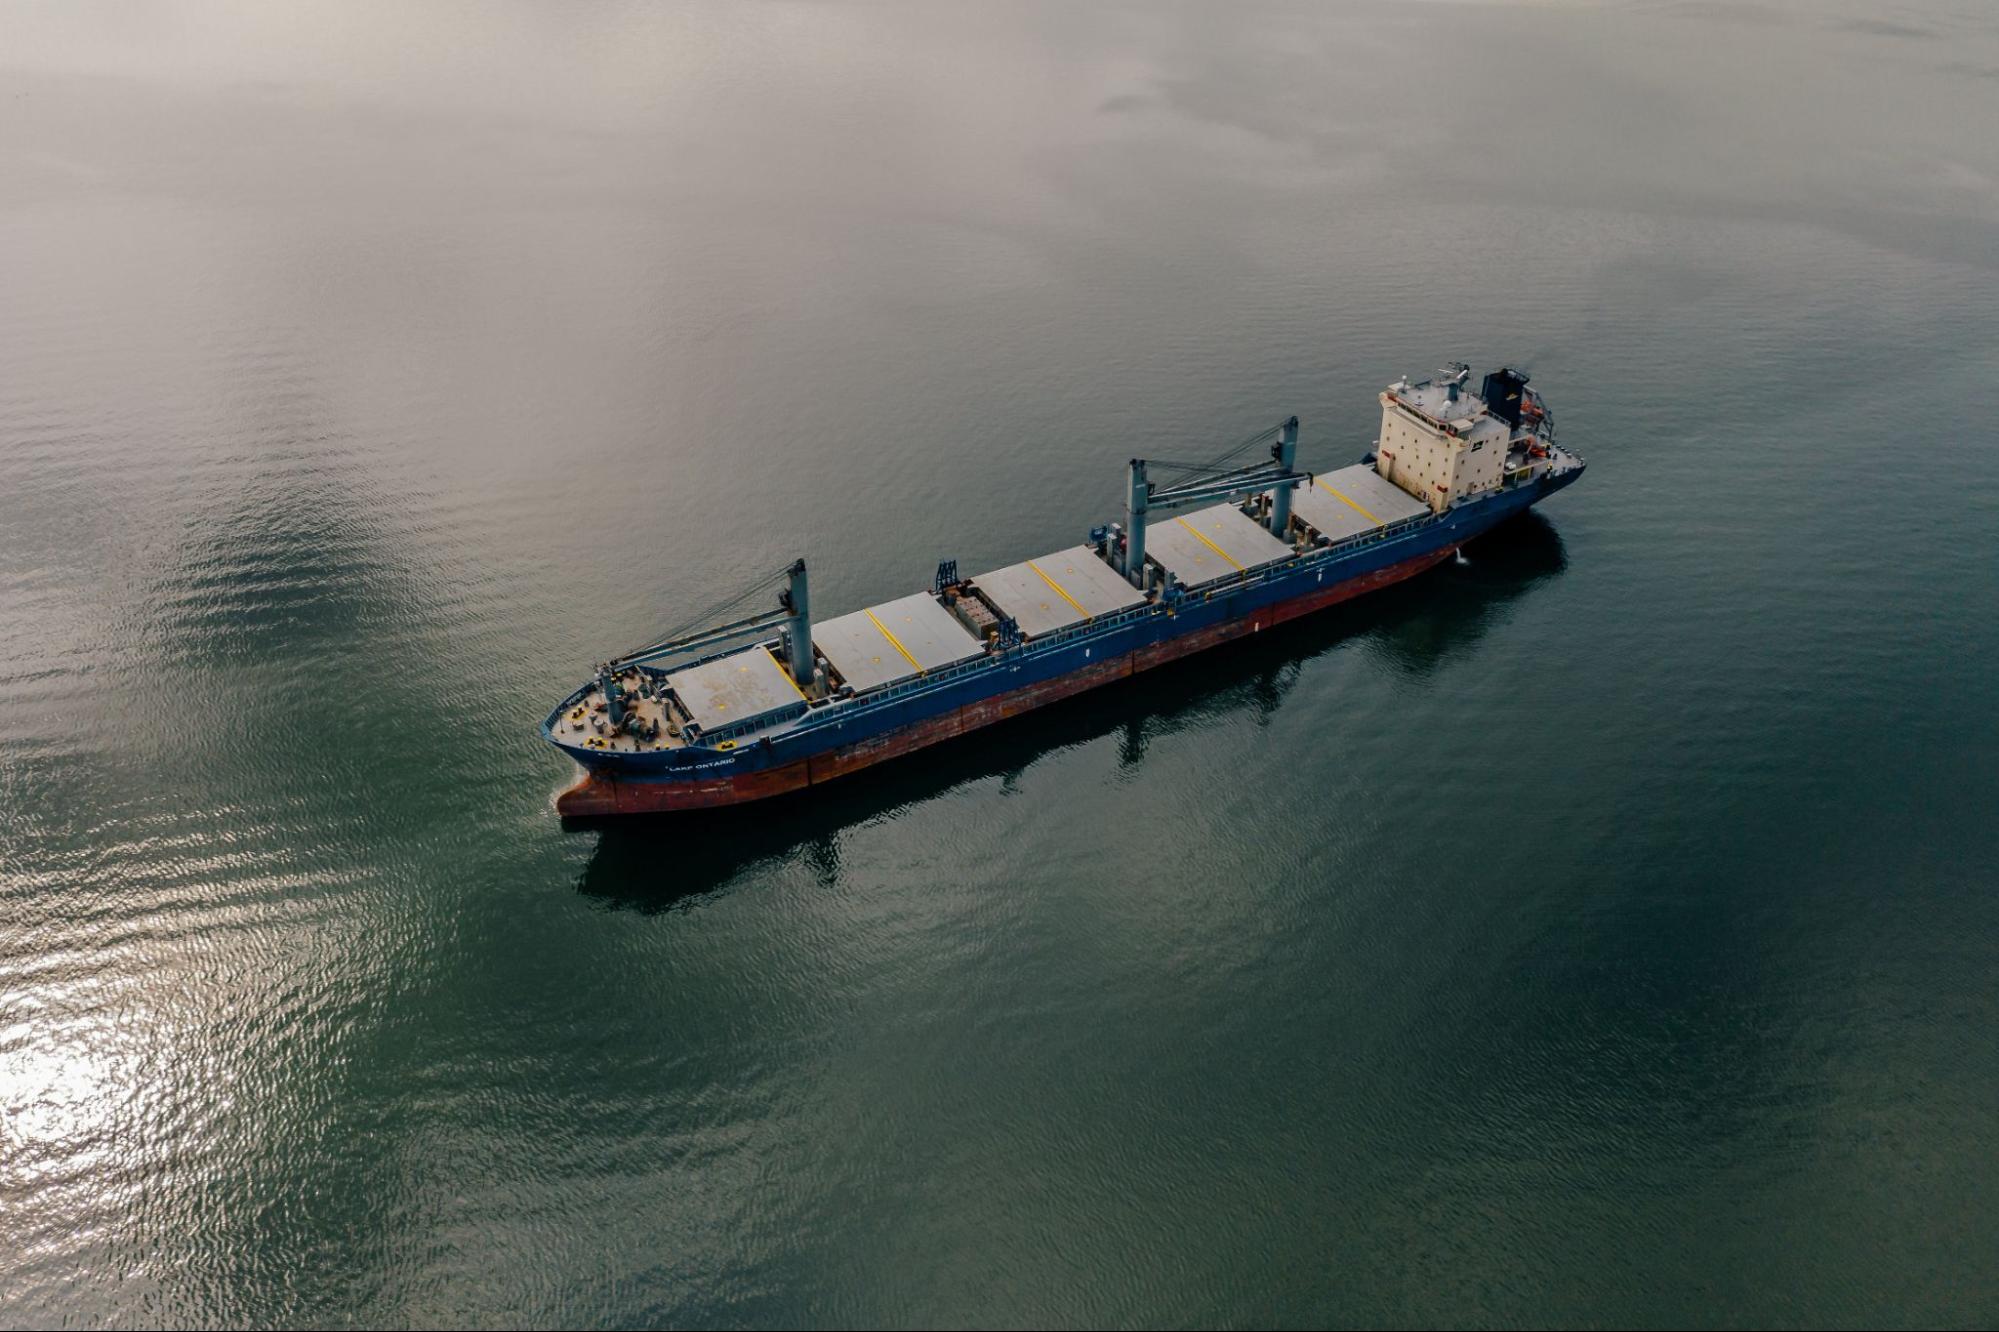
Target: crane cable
pixel 714 612
pixel 1226 462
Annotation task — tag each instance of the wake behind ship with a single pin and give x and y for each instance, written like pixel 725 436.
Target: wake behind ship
pixel 776 702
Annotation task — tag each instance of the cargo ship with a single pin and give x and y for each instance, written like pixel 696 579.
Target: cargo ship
pixel 775 702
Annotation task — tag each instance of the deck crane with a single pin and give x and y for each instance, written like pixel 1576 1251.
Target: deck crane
pixel 1221 479
pixel 793 615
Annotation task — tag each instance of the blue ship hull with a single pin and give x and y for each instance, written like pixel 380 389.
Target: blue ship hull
pixel 872 728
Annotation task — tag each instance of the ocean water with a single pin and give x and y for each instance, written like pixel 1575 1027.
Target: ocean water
pixel 1599 930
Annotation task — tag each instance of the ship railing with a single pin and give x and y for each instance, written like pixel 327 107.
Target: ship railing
pixel 1106 623
pixel 900 689
pixel 938 678
pixel 1250 577
pixel 1091 628
pixel 1386 532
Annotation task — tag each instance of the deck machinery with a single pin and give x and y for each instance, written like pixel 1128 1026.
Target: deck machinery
pixel 775 701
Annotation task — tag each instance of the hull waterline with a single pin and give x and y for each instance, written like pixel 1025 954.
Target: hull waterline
pixel 824 700
pixel 604 793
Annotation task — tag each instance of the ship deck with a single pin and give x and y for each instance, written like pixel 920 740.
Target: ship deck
pixel 883 651
pixel 585 721
pixel 1351 501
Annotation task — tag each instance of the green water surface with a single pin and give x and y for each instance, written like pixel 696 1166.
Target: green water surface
pixel 1597 931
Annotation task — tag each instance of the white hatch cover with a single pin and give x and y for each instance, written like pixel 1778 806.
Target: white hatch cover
pixel 1207 544
pixel 1353 500
pixel 737 688
pixel 894 641
pixel 1057 591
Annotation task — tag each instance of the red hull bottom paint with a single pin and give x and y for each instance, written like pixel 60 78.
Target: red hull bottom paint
pixel 601 794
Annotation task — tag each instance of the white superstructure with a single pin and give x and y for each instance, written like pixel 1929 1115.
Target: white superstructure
pixel 1442 443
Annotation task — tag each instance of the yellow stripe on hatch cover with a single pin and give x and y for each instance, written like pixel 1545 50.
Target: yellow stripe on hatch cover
pixel 894 642
pixel 1204 541
pixel 786 673
pixel 1060 591
pixel 1349 503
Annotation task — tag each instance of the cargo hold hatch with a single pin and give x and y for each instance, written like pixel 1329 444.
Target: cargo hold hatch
pixel 894 641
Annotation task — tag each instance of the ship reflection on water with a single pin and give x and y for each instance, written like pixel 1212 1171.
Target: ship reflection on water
pixel 1414 626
